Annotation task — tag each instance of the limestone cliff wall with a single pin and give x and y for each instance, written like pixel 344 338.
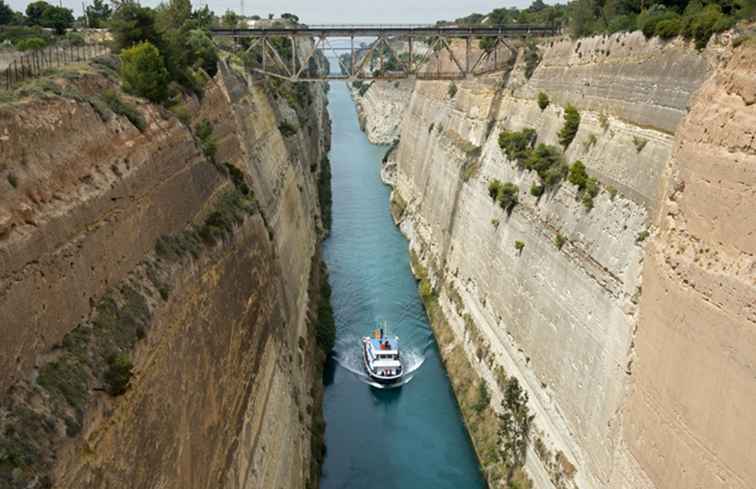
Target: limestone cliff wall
pixel 117 240
pixel 380 108
pixel 564 318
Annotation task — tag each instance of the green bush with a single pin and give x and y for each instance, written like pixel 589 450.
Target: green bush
pixel 649 19
pixel 559 240
pixel 237 176
pixel 207 143
pixel 452 91
pixel 588 186
pixel 639 143
pixel 571 125
pixel 75 39
pixel 537 190
pixel 517 144
pixel 532 58
pixel 578 175
pixel 31 44
pixel 287 129
pixel 120 107
pixel 669 28
pixel 203 51
pixel 543 100
pixel 519 245
pixel 548 162
pixel 505 193
pixel 143 72
pixel 118 374
pixel 590 190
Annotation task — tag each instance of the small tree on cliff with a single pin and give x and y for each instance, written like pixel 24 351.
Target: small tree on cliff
pixel 143 72
pixel 515 421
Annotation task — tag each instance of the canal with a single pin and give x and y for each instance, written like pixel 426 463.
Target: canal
pixel 411 437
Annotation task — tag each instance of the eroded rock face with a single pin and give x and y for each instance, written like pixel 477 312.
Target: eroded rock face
pixel 225 389
pixel 381 107
pixel 561 314
pixel 688 420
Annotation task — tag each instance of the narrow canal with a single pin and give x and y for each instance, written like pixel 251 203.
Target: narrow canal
pixel 411 437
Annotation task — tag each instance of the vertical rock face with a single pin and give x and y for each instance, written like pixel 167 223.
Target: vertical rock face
pixel 689 419
pixel 380 106
pixel 134 243
pixel 549 294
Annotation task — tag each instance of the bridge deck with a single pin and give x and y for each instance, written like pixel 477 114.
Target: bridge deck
pixel 374 30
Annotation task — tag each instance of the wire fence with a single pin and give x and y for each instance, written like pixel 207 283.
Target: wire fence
pixel 36 63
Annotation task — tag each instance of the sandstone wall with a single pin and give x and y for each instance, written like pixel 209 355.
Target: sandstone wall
pixel 689 419
pixel 564 321
pixel 226 389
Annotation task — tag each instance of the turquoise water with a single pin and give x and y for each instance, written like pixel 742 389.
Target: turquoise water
pixel 411 437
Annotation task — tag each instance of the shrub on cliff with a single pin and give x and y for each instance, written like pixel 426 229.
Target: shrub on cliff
pixel 588 187
pixel 532 59
pixel 482 398
pixel 452 91
pixel 548 162
pixel 505 193
pixel 207 143
pixel 143 72
pixel 571 124
pixel 118 374
pixel 31 44
pixel 578 175
pixel 517 144
pixel 700 25
pixel 543 100
pixel 120 107
pixel 515 421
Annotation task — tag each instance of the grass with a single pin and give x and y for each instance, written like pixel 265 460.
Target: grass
pixel 117 105
pixel 519 245
pixel 642 236
pixel 559 240
pixel 604 121
pixel 589 142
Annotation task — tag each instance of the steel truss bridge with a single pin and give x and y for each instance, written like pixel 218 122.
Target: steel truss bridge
pixel 396 51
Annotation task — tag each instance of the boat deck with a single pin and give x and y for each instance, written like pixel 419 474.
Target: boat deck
pixel 376 344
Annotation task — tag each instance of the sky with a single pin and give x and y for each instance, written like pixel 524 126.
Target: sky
pixel 339 11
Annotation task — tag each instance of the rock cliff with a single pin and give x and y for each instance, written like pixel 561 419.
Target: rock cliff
pixel 629 321
pixel 130 242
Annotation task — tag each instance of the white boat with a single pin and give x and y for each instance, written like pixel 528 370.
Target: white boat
pixel 381 358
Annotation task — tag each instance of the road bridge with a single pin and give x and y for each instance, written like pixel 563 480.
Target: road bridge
pixel 397 51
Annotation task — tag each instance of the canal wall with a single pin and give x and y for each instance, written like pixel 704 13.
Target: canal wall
pixel 158 284
pixel 628 322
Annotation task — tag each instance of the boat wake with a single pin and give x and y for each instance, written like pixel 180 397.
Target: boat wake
pixel 350 357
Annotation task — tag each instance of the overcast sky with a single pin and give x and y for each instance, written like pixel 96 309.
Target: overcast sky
pixel 340 11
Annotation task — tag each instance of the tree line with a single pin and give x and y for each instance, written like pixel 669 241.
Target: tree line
pixel 693 19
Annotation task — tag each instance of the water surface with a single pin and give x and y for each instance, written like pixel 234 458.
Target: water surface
pixel 411 437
